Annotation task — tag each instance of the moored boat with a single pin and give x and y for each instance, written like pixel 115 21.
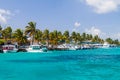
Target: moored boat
pixel 106 45
pixel 36 48
pixel 68 47
pixel 9 48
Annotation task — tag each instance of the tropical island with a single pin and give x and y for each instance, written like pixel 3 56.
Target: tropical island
pixel 31 35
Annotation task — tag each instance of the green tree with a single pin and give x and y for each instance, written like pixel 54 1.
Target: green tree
pixel 66 36
pixel 51 38
pixel 0 27
pixel 4 34
pixel 60 37
pixel 74 36
pixel 0 30
pixel 79 39
pixel 7 33
pixel 31 30
pixel 38 35
pixel 97 39
pixel 84 36
pixel 46 36
pixel 109 40
pixel 20 37
pixel 55 32
pixel 89 37
pixel 116 41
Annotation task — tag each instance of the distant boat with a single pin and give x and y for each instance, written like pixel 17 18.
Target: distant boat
pixel 9 48
pixel 68 47
pixel 105 45
pixel 36 48
pixel 74 47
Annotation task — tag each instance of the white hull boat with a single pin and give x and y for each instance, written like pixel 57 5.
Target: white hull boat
pixel 36 48
pixel 9 48
pixel 106 45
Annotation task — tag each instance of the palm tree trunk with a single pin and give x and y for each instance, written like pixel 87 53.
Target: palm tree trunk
pixel 32 39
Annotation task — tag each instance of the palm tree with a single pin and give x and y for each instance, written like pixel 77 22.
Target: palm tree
pixel 79 39
pixel 4 34
pixel 66 36
pixel 109 40
pixel 116 41
pixel 7 33
pixel 51 38
pixel 90 36
pixel 38 35
pixel 84 36
pixel 0 27
pixel 46 36
pixel 0 30
pixel 74 36
pixel 31 30
pixel 97 39
pixel 55 37
pixel 20 37
pixel 60 37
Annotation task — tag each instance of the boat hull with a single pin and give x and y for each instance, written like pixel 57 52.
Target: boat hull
pixel 10 51
pixel 9 48
pixel 34 51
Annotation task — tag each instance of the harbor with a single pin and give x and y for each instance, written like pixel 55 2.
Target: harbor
pixel 59 39
pixel 9 48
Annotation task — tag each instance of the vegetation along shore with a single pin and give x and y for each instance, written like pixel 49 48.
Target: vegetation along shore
pixel 31 35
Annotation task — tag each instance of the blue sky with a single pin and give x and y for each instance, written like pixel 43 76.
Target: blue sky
pixel 91 16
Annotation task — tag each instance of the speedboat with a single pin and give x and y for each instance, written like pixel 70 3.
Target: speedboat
pixel 36 48
pixel 9 48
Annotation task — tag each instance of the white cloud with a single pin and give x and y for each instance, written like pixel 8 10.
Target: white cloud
pixel 76 26
pixel 4 15
pixel 104 6
pixel 93 31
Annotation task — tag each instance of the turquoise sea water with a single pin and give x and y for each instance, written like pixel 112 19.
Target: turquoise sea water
pixel 97 64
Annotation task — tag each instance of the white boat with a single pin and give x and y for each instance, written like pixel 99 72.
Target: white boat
pixel 69 47
pixel 9 48
pixel 73 47
pixel 106 45
pixel 36 48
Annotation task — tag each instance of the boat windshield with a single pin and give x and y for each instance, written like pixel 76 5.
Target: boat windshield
pixel 36 47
